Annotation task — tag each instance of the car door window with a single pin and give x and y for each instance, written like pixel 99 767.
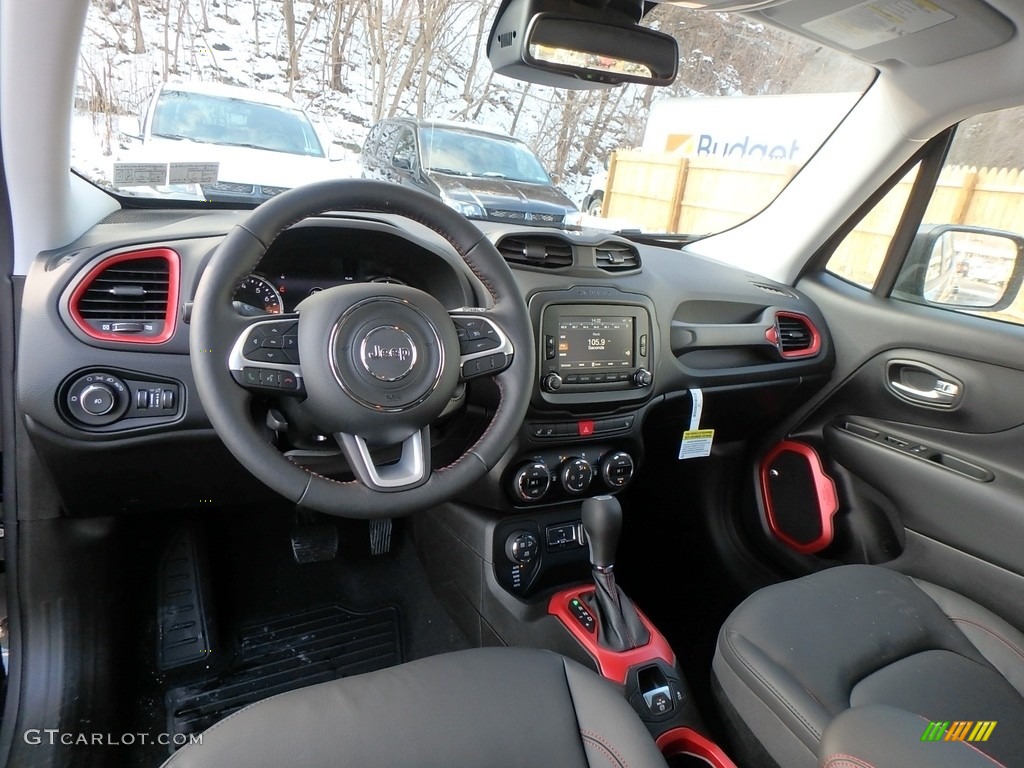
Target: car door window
pixel 968 252
pixel 404 156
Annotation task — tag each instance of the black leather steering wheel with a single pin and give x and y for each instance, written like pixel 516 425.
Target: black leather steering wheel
pixel 371 364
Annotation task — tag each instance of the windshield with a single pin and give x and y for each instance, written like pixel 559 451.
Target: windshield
pixel 461 153
pixel 255 98
pixel 208 119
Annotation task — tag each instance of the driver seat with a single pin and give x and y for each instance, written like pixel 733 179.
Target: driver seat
pixel 483 707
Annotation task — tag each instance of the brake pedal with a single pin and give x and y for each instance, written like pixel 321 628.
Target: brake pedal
pixel 315 543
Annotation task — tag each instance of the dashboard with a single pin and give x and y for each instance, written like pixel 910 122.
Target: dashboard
pixel 625 333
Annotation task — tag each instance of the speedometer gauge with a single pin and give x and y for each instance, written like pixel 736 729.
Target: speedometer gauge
pixel 259 293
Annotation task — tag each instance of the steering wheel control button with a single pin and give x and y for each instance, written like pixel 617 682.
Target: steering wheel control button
pixel 522 547
pixel 617 469
pixel 485 366
pixel 577 475
pixel 276 380
pixel 475 335
pixel 582 614
pixel 388 353
pixel 532 481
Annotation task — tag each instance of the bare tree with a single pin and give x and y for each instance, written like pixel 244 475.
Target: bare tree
pixel 296 41
pixel 339 39
pixel 140 42
pixel 256 26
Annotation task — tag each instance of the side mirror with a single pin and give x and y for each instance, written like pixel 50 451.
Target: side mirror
pixel 540 42
pixel 402 163
pixel 336 152
pixel 963 267
pixel 555 178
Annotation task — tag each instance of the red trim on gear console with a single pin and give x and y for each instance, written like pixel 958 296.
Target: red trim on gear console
pixel 614 665
pixel 686 741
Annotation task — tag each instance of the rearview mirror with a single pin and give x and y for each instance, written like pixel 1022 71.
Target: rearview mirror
pixel 588 48
pixel 964 267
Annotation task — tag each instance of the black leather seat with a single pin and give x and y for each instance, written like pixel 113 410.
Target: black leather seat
pixel 847 667
pixel 472 709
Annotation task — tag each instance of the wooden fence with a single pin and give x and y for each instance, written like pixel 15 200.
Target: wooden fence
pixel 663 192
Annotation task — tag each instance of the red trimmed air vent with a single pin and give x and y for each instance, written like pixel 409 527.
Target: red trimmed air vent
pixel 129 297
pixel 794 335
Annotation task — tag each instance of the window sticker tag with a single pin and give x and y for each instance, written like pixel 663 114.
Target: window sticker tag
pixel 193 173
pixel 696 442
pixel 140 174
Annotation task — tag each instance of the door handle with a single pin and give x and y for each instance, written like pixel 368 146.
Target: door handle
pixel 921 384
pixel 943 393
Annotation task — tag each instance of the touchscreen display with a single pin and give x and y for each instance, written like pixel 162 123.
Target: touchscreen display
pixel 586 343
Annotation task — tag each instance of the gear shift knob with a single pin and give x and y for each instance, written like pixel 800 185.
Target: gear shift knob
pixel 602 522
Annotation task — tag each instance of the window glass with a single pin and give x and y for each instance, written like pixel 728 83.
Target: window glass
pixel 967 254
pixel 859 256
pixel 750 105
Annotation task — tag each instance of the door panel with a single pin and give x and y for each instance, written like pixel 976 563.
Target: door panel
pixel 935 490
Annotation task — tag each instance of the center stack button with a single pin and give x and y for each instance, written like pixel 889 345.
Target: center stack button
pixel 532 481
pixel 576 475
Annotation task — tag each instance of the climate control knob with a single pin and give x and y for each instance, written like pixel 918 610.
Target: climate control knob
pixel 643 378
pixel 531 482
pixel 617 469
pixel 521 547
pixel 551 383
pixel 576 475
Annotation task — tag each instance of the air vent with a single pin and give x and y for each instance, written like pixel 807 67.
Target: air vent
pixel 794 335
pixel 543 252
pixel 130 297
pixel 617 257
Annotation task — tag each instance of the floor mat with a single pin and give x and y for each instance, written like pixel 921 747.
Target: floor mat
pixel 286 653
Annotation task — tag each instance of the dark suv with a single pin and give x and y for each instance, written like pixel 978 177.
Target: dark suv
pixel 478 172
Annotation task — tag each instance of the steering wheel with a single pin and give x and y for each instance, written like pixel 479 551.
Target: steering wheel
pixel 371 364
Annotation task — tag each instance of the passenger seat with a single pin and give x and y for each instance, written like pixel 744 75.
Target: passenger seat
pixel 851 667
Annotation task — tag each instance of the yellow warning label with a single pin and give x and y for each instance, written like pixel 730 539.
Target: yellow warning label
pixel 699 434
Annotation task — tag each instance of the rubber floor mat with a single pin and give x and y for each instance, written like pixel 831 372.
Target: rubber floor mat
pixel 286 653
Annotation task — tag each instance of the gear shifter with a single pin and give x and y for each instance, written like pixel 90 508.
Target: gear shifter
pixel 619 621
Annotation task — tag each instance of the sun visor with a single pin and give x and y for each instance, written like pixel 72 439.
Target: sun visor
pixel 916 32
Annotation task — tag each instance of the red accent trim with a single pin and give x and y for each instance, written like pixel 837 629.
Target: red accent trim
pixel 772 334
pixel 812 350
pixel 824 489
pixel 686 741
pixel 173 279
pixel 614 665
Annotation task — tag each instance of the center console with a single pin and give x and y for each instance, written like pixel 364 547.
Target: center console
pixel 514 562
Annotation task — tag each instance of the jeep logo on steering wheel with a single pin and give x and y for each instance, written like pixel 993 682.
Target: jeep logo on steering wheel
pixel 388 353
